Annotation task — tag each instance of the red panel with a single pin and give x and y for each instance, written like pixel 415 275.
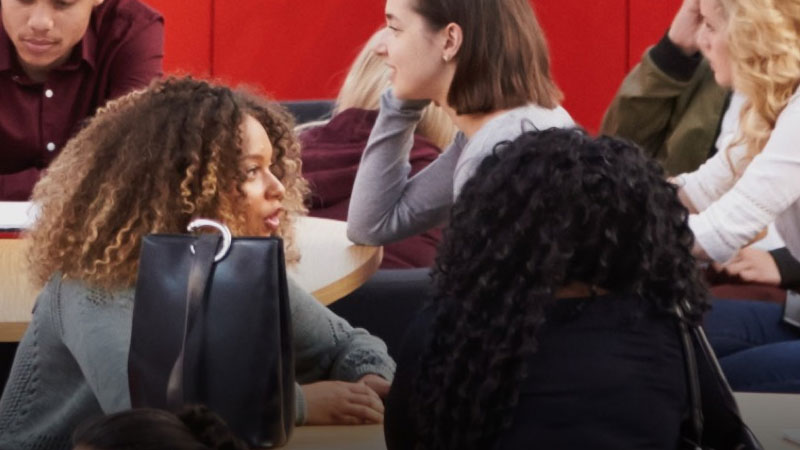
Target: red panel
pixel 649 20
pixel 588 46
pixel 293 49
pixel 187 35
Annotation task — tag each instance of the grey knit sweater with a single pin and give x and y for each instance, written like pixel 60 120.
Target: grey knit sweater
pixel 387 206
pixel 72 362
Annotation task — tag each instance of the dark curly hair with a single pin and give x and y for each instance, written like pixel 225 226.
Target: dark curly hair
pixel 193 428
pixel 551 209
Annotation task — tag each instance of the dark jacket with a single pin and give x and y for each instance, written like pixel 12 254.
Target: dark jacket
pixel 608 374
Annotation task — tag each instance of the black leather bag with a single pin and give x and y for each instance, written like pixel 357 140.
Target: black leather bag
pixel 214 327
pixel 714 420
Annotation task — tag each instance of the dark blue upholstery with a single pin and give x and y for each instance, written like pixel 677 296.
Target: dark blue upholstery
pixel 309 110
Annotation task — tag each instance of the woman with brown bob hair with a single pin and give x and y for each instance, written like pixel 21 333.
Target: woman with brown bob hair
pixel 486 63
pixel 150 162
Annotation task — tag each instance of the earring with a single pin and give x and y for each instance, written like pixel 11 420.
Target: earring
pixel 446 58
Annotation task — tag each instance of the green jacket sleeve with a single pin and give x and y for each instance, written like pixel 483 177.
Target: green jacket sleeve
pixel 671 106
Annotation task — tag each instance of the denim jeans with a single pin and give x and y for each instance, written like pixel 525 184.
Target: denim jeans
pixel 757 351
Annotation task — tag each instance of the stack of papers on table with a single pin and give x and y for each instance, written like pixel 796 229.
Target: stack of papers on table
pixel 17 215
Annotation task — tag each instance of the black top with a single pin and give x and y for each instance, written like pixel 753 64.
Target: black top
pixel 608 374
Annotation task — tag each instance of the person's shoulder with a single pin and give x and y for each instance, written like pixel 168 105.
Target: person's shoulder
pixel 542 118
pixel 129 14
pixel 129 9
pixel 512 123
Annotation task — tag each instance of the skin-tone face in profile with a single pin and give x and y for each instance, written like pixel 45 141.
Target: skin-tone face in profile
pixel 712 39
pixel 44 32
pixel 421 61
pixel 263 191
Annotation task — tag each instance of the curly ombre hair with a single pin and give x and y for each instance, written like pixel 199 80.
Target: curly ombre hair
pixel 150 162
pixel 764 46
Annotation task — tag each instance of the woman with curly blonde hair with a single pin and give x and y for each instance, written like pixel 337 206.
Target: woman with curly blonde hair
pixel 149 163
pixel 752 181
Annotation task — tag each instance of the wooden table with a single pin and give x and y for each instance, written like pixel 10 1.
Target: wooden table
pixel 766 414
pixel 356 437
pixel 330 267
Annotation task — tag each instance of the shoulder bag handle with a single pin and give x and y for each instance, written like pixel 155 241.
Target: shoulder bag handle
pixel 182 375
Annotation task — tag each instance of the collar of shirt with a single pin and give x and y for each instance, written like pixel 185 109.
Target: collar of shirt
pixel 84 50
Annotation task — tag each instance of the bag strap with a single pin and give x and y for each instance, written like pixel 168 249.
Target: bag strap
pixel 693 381
pixel 199 273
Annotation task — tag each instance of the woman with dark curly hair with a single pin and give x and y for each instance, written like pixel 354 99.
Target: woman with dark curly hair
pixel 150 162
pixel 193 428
pixel 554 322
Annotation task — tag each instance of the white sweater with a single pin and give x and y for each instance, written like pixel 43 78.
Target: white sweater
pixel 733 211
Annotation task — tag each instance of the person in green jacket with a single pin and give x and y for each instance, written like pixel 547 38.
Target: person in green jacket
pixel 672 107
pixel 670 104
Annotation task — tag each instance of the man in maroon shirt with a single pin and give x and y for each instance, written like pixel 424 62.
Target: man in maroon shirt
pixel 59 61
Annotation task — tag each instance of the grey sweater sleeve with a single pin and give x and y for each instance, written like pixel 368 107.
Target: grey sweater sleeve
pixel 100 344
pixel 386 205
pixel 328 348
pixel 71 364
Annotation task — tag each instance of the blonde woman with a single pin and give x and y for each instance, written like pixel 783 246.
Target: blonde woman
pixel 752 46
pixel 151 162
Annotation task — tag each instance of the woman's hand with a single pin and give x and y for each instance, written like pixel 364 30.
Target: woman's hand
pixel 342 403
pixel 377 384
pixel 683 31
pixel 753 265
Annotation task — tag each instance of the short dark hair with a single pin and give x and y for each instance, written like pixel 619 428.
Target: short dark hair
pixel 503 61
pixel 193 428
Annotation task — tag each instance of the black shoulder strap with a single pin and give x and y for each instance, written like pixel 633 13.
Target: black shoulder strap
pixel 199 272
pixel 692 380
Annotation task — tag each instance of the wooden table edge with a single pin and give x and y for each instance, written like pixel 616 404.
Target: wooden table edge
pixel 13 331
pixel 351 282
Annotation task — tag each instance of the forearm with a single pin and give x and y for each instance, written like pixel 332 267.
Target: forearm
pixel 645 104
pixel 385 206
pixel 138 62
pixel 329 348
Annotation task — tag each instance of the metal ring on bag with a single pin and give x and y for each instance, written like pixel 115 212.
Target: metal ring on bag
pixel 226 235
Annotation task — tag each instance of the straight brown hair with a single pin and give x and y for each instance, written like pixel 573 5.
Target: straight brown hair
pixel 503 61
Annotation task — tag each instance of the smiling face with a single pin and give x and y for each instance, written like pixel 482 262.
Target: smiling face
pixel 414 54
pixel 263 191
pixel 713 41
pixel 44 32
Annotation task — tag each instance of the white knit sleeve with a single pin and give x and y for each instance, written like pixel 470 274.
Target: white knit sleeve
pixel 769 186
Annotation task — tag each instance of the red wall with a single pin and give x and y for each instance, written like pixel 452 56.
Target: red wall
pixel 588 46
pixel 187 35
pixel 649 20
pixel 301 49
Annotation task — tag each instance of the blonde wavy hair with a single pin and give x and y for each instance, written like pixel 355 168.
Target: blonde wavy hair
pixel 150 162
pixel 366 80
pixel 764 47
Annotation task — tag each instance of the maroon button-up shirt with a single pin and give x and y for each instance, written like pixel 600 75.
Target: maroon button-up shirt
pixel 122 50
